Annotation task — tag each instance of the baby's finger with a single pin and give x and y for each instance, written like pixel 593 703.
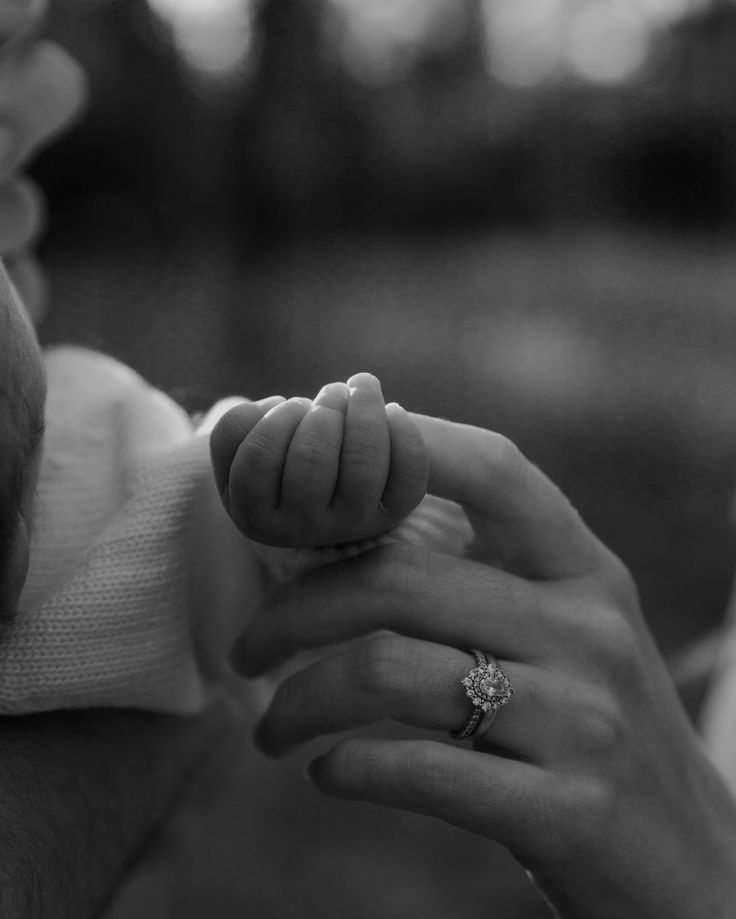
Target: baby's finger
pixel 230 432
pixel 364 459
pixel 41 90
pixel 409 464
pixel 506 800
pixel 313 461
pixel 254 485
pixel 21 216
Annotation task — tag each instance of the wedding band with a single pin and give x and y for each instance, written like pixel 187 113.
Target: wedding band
pixel 488 688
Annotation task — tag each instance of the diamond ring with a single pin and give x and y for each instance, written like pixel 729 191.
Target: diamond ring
pixel 488 688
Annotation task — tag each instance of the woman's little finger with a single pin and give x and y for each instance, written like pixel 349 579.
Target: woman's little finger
pixel 495 797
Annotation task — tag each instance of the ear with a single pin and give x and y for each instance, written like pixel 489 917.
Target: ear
pixel 16 569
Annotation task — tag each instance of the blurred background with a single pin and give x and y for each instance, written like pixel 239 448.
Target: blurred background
pixel 517 214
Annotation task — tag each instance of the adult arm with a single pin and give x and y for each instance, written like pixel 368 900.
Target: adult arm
pixel 80 792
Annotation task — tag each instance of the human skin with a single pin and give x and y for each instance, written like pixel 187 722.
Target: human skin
pixel 591 775
pixel 340 468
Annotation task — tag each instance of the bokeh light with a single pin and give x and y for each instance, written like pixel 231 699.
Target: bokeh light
pixel 522 39
pixel 212 36
pixel 379 40
pixel 604 41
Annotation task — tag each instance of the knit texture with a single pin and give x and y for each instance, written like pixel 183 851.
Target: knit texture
pixel 106 617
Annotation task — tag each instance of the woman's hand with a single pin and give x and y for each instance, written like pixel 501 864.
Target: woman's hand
pixel 591 774
pixel 42 89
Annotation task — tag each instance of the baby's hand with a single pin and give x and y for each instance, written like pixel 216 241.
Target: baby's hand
pixel 341 468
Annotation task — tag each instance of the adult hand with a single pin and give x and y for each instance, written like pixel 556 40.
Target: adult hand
pixel 42 89
pixel 591 774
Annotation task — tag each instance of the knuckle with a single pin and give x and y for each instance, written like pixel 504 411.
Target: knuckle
pixel 383 664
pixel 501 455
pixel 361 454
pixel 619 645
pixel 601 725
pixel 498 460
pixel 314 452
pixel 621 583
pixel 260 452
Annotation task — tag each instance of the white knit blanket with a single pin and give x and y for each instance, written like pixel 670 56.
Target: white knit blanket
pixel 113 612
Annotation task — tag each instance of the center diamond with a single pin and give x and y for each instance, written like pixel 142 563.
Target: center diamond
pixel 487 687
pixel 490 685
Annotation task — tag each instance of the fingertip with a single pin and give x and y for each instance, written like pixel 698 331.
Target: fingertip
pixel 334 396
pixel 364 381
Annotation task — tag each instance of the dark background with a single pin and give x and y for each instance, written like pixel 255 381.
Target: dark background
pixel 517 215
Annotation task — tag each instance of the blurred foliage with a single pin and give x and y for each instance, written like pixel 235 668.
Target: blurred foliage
pixel 294 146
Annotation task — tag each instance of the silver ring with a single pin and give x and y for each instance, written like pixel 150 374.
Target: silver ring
pixel 488 688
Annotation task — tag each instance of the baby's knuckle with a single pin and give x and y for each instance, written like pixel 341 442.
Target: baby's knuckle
pixel 313 452
pixel 361 455
pixel 261 452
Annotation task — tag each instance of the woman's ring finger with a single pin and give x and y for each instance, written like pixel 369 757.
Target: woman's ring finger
pixel 405 679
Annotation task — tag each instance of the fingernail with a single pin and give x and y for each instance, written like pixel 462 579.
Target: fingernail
pixel 270 401
pixel 313 770
pixel 364 381
pixel 299 400
pixel 395 407
pixel 333 395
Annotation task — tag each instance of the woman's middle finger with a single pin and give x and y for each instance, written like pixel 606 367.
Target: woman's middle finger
pixel 414 682
pixel 452 601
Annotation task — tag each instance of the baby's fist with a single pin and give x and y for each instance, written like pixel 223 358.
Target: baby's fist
pixel 341 468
